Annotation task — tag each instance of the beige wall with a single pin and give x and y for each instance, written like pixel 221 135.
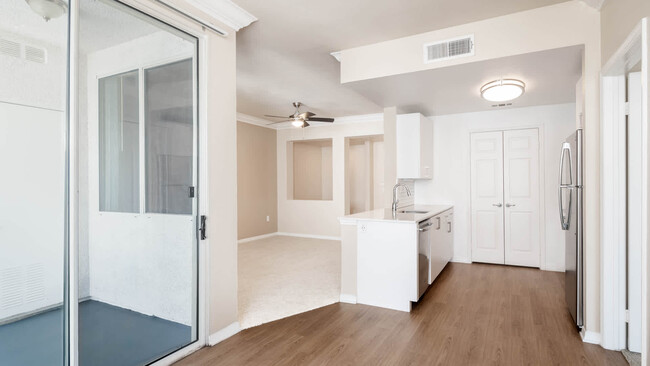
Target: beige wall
pixel 257 181
pixel 222 171
pixel 311 163
pixel 617 19
pixel 317 217
pixel 365 183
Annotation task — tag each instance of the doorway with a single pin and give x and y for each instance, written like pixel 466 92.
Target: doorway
pixel 505 202
pixel 364 173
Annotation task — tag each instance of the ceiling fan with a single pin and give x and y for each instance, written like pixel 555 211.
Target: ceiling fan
pixel 298 119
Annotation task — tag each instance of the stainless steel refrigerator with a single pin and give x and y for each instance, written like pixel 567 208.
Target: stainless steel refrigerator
pixel 570 203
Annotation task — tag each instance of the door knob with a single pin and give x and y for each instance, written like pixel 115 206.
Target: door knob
pixel 497 205
pixel 510 204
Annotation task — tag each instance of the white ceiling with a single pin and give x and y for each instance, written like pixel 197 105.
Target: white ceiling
pixel 550 78
pixel 101 25
pixel 285 55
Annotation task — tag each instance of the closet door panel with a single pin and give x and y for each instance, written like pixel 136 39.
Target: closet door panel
pixel 521 194
pixel 487 197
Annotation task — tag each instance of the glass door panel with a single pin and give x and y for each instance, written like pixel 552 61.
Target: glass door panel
pixel 33 103
pixel 137 215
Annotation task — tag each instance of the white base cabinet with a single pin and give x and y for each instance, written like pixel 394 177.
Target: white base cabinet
pixel 387 264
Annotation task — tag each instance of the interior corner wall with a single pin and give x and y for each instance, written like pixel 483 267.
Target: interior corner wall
pixel 617 20
pixel 257 182
pixel 451 176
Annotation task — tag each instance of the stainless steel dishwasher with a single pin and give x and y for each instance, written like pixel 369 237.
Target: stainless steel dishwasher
pixel 424 252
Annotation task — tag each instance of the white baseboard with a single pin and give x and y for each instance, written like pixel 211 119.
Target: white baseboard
pixel 554 268
pixel 590 337
pixel 348 299
pixel 253 238
pixel 324 237
pixel 460 260
pixel 224 334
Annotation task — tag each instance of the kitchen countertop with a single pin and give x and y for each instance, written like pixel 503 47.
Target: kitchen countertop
pixel 386 214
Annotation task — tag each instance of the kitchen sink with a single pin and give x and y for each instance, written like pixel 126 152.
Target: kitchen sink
pixel 413 211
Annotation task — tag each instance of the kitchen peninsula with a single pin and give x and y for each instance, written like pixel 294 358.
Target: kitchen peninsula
pixel 389 258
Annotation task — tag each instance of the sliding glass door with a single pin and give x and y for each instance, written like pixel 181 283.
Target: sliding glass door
pixel 128 154
pixel 33 55
pixel 137 187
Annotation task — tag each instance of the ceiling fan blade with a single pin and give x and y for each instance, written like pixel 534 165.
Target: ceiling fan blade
pixel 305 124
pixel 320 119
pixel 268 115
pixel 305 115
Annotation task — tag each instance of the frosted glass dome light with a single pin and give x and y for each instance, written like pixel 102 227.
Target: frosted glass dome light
pixel 48 9
pixel 503 90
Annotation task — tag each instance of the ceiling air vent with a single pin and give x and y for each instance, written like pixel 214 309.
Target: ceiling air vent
pixel 34 54
pixel 448 49
pixel 9 48
pixel 22 51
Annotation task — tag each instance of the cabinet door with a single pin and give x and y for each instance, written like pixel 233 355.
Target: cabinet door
pixel 487 197
pixel 438 261
pixel 426 148
pixel 414 135
pixel 521 191
pixel 449 237
pixel 408 146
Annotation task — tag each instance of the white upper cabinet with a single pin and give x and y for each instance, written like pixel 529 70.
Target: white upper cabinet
pixel 414 146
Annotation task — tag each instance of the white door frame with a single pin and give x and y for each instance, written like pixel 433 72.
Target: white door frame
pixel 542 200
pixel 172 18
pixel 612 219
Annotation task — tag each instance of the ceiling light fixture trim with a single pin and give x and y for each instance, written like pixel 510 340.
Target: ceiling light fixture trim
pixel 503 90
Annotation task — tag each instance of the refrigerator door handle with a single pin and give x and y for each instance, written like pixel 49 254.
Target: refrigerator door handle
pixel 565 147
pixel 564 222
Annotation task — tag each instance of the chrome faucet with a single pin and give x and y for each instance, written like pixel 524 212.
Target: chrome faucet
pixel 395 200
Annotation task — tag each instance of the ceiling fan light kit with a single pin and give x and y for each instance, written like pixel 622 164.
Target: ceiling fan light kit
pixel 300 120
pixel 503 90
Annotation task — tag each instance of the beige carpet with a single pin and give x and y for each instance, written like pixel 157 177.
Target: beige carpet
pixel 282 276
pixel 633 358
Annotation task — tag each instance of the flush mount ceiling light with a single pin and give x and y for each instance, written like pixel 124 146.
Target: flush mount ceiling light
pixel 48 9
pixel 503 90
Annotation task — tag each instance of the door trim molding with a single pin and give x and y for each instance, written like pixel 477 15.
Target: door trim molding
pixel 613 265
pixel 541 185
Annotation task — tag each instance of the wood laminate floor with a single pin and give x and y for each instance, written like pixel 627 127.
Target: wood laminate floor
pixel 474 314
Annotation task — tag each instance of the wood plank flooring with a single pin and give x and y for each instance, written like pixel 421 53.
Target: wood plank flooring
pixel 474 314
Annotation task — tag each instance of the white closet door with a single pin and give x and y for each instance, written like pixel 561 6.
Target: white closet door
pixel 521 192
pixel 487 197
